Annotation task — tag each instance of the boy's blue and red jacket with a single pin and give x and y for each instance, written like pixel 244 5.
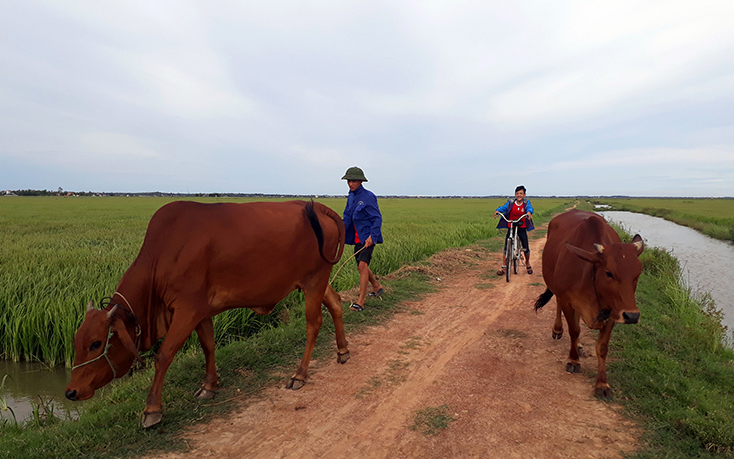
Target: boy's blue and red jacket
pixel 363 215
pixel 505 210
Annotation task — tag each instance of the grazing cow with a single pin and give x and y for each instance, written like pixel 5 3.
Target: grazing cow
pixel 594 277
pixel 198 260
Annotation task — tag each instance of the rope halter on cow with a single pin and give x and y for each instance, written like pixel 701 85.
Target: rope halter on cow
pixel 105 354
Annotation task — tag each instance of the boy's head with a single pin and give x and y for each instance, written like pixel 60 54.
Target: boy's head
pixel 520 193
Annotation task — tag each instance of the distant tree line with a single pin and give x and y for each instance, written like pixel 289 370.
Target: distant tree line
pixel 34 192
pixel 59 192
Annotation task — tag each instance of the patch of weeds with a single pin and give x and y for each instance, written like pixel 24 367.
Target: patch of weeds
pixel 537 284
pixel 413 342
pixel 485 285
pixel 370 387
pixel 510 333
pixel 416 312
pixel 431 420
pixel 396 371
pixel 397 365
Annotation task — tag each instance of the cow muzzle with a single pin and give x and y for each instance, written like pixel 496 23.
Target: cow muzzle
pixel 631 317
pixel 71 395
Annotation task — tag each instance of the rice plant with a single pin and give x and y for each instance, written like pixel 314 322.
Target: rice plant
pixel 4 408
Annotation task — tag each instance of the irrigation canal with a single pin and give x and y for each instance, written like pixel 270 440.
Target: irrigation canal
pixel 34 383
pixel 707 263
pixel 707 266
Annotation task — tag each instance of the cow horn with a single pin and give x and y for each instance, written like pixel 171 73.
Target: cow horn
pixel 113 311
pixel 90 305
pixel 599 248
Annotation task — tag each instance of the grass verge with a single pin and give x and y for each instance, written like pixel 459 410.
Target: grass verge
pixel 673 370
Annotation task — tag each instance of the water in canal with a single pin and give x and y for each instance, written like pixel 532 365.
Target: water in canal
pixel 707 263
pixel 30 382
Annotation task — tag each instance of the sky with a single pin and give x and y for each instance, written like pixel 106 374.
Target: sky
pixel 428 97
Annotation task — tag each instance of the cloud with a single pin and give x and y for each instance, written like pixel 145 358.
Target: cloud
pixel 715 158
pixel 429 97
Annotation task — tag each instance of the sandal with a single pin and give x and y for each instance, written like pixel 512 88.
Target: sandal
pixel 530 269
pixel 356 307
pixel 377 293
pixel 501 271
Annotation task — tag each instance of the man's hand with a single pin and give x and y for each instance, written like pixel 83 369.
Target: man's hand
pixel 529 215
pixel 496 214
pixel 369 242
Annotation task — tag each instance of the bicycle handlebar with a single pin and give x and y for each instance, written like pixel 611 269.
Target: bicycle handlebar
pixel 512 221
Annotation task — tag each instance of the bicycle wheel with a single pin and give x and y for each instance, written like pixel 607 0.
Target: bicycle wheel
pixel 508 257
pixel 515 260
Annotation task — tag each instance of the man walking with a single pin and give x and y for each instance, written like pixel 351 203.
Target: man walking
pixel 363 223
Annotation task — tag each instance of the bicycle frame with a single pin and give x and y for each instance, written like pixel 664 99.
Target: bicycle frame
pixel 512 248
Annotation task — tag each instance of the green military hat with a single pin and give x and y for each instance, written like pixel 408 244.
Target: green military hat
pixel 354 173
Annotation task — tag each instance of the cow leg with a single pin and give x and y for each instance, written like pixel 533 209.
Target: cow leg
pixel 558 325
pixel 333 303
pixel 180 329
pixel 314 320
pixel 205 332
pixel 574 330
pixel 602 347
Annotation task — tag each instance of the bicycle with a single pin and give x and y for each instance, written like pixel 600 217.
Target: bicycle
pixel 512 247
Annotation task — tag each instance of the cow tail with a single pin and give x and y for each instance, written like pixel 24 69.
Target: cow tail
pixel 543 299
pixel 313 218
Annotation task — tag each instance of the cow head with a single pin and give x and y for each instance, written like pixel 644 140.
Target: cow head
pixel 105 350
pixel 616 270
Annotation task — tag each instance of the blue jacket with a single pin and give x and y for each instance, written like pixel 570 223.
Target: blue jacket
pixel 362 213
pixel 505 210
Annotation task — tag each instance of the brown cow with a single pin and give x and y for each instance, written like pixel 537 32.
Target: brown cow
pixel 198 260
pixel 594 277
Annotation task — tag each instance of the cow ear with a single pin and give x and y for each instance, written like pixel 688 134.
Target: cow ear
pixel 584 255
pixel 90 305
pixel 637 241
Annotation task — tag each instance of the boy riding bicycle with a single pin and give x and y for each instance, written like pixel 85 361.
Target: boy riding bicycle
pixel 512 210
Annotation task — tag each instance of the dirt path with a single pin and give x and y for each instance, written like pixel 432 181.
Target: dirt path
pixel 476 346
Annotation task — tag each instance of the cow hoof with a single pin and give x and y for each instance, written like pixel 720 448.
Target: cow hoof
pixel 573 367
pixel 605 393
pixel 557 335
pixel 295 384
pixel 342 358
pixel 151 419
pixel 203 394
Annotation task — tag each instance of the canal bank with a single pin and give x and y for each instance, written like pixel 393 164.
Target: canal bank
pixel 706 263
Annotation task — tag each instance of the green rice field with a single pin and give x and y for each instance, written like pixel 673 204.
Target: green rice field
pixel 713 217
pixel 672 372
pixel 60 252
